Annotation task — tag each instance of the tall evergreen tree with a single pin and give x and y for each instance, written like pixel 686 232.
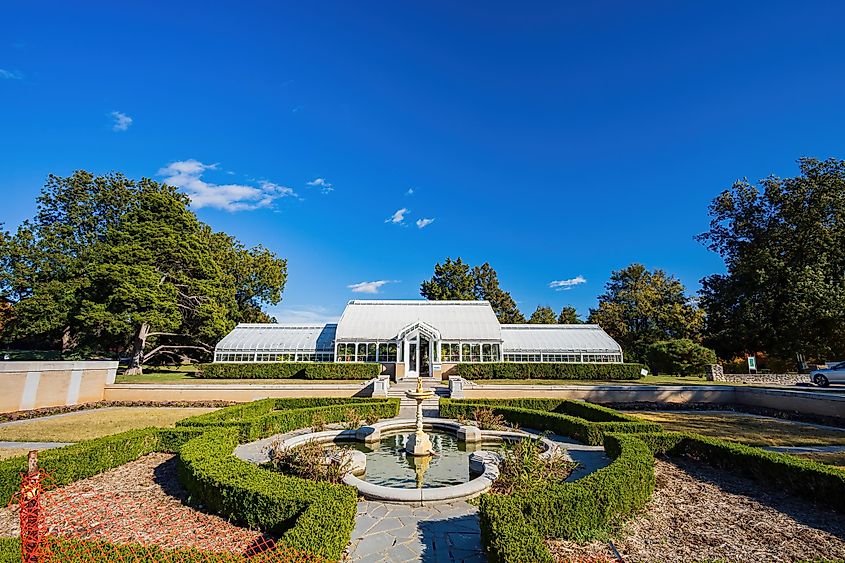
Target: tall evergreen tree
pixel 543 315
pixel 455 280
pixel 640 307
pixel 568 316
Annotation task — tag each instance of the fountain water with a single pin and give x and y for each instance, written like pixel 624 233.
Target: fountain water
pixel 419 444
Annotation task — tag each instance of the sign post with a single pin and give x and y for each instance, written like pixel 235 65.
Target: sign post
pixel 752 364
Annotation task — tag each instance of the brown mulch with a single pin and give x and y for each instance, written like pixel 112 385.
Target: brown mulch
pixel 49 411
pixel 699 513
pixel 139 502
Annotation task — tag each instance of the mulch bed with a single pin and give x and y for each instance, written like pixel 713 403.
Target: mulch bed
pixel 140 502
pixel 698 513
pixel 48 411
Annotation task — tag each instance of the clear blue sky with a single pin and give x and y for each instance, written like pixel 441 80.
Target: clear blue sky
pixel 557 141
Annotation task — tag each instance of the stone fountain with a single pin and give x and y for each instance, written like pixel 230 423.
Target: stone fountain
pixel 419 443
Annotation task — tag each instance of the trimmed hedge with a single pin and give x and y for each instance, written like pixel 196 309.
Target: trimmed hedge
pixel 583 421
pixel 513 527
pixel 311 516
pixel 70 550
pixel 263 418
pixel 542 370
pixel 86 459
pixel 289 370
pixel 817 482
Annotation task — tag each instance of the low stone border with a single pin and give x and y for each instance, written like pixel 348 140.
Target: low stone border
pixel 484 462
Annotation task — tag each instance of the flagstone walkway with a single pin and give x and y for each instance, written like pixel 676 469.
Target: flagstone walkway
pixel 394 533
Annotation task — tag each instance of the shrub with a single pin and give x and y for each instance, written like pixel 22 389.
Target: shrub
pixel 559 420
pixel 311 516
pixel 681 356
pixel 523 468
pixel 311 461
pixel 506 370
pixel 288 370
pixel 486 419
pixel 815 481
pixel 261 419
pixel 88 458
pixel 513 527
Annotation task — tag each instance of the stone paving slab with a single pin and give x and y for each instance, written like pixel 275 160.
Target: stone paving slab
pixel 443 533
pixel 34 445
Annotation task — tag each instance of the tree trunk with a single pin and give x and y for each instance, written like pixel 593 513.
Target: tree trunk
pixel 138 344
pixel 67 340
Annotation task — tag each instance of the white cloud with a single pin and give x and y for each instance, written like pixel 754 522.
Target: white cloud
pixel 368 286
pixel 10 74
pixel 423 223
pixel 398 217
pixel 121 121
pixel 321 183
pixel 187 175
pixel 410 191
pixel 566 285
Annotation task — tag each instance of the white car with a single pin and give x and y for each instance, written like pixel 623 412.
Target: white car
pixel 833 374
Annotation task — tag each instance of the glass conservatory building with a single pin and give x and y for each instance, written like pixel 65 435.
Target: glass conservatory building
pixel 418 338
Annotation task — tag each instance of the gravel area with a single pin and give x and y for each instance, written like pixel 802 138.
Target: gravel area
pixel 140 502
pixel 698 513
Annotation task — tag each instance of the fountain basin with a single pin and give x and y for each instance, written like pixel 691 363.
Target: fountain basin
pixel 482 464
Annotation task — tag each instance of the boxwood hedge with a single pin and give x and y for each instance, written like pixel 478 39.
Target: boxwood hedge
pixel 85 459
pixel 817 482
pixel 513 527
pixel 289 370
pixel 507 370
pixel 581 420
pixel 263 418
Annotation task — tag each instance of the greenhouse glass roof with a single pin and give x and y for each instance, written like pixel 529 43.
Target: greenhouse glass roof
pixel 279 337
pixel 558 338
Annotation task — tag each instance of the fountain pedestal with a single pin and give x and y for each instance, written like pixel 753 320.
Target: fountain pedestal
pixel 419 444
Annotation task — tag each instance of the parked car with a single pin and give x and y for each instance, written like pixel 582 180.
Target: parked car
pixel 832 374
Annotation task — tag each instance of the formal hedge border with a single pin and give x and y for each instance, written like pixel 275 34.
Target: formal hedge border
pixel 263 418
pixel 91 457
pixel 820 483
pixel 583 421
pixel 513 527
pixel 543 370
pixel 98 551
pixel 289 370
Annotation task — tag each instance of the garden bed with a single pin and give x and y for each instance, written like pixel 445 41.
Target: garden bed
pixel 140 502
pixel 698 513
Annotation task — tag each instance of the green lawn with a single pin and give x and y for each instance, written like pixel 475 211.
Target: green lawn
pixel 173 378
pixel 647 380
pixel 750 430
pixel 84 425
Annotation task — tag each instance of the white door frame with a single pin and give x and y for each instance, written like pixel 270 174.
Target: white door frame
pixel 412 371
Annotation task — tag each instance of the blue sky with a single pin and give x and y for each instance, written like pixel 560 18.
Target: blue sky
pixel 558 141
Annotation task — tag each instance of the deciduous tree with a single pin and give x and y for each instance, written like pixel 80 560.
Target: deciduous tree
pixel 640 307
pixel 783 243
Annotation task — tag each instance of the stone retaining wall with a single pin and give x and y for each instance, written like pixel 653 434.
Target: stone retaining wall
pixel 715 372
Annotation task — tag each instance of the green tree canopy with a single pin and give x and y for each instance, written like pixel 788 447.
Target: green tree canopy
pixel 108 262
pixel 678 357
pixel 640 307
pixel 543 315
pixel 783 243
pixel 456 280
pixel 568 316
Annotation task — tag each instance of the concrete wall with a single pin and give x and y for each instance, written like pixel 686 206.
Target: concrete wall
pixel 808 402
pixel 32 385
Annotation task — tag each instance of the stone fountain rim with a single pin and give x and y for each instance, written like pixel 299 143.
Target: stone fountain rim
pixel 463 491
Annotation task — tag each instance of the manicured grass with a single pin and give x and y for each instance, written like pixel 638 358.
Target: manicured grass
pixel 836 459
pixel 749 430
pixel 647 380
pixel 184 376
pixel 84 425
